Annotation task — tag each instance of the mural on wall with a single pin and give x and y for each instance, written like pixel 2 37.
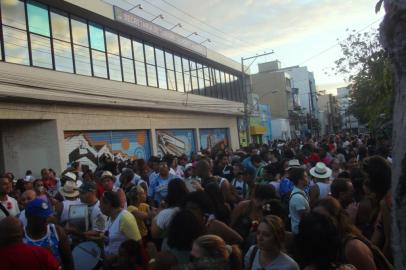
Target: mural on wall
pixel 175 142
pixel 213 138
pixel 89 147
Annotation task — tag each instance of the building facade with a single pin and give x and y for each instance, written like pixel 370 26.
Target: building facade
pixel 83 79
pixel 348 121
pixel 329 114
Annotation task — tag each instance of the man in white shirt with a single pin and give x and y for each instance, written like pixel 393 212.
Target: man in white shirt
pixel 298 202
pixel 10 205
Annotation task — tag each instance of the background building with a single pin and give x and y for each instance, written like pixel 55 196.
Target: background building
pixel 348 121
pixel 273 88
pixel 329 114
pixel 83 79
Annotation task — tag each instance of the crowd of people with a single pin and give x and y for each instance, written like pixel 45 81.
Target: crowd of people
pixel 301 204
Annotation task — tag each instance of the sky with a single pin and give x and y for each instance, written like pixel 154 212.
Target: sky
pixel 300 32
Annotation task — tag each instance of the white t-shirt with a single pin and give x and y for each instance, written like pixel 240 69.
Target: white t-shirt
pixel 98 220
pixel 282 262
pixel 297 203
pixel 164 218
pixel 11 205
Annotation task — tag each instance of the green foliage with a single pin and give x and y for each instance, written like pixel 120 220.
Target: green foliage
pixel 368 69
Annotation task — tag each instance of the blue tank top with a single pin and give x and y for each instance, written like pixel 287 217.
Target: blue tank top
pixel 50 241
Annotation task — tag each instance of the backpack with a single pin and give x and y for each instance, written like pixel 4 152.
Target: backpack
pixel 252 257
pixel 381 262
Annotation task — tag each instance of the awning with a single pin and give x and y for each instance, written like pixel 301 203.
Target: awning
pixel 257 130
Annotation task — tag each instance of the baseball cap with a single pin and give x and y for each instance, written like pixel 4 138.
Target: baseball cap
pixel 293 163
pixel 87 186
pixel 38 208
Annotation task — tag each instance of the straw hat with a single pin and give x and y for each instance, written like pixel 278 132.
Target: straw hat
pixel 320 171
pixel 69 190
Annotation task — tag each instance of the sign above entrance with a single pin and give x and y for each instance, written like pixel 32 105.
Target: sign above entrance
pixel 133 20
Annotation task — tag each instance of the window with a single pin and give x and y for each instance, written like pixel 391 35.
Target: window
pixel 79 32
pixel 98 48
pixel 151 73
pixel 62 42
pixel 186 74
pixel 15 46
pixel 139 61
pixel 13 14
pixel 127 59
pixel 200 78
pixel 38 22
pixel 149 54
pixel 193 73
pixel 218 84
pixel 96 37
pixel 99 64
pixel 41 51
pixel 151 68
pixel 81 47
pixel 170 71
pixel 160 61
pixel 38 25
pixel 140 72
pixel 113 57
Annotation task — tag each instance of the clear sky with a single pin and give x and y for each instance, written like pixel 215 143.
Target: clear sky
pixel 299 31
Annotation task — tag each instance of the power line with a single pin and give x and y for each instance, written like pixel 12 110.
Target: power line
pixel 203 22
pixel 337 43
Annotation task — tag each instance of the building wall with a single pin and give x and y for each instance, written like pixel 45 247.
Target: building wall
pixel 25 138
pixel 272 90
pixel 30 145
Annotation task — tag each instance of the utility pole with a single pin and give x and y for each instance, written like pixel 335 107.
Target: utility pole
pixel 247 92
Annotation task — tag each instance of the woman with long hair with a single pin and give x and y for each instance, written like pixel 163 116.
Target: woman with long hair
pixel 268 252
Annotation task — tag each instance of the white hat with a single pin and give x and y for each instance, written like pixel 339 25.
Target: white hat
pixel 29 178
pixel 187 166
pixel 69 190
pixel 70 175
pixel 293 163
pixel 320 171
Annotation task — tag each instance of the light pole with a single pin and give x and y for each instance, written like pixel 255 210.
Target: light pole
pixel 176 25
pixel 134 7
pixel 191 34
pixel 245 91
pixel 160 16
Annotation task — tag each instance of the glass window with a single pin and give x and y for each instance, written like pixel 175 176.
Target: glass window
pixel 171 79
pixel 179 82
pixel 160 59
pixel 169 61
pixel 138 51
pixel 149 54
pixel 200 78
pixel 114 67
pixel 128 70
pixel 15 46
pixel 151 73
pixel 125 45
pixel 82 60
pixel 112 43
pixel 41 51
pixel 178 64
pixel 79 32
pixel 99 64
pixel 140 73
pixel 13 14
pixel 60 26
pixel 162 78
pixel 186 72
pixel 38 21
pixel 63 56
pixel 96 37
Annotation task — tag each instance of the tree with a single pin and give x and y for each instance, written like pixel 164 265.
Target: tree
pixel 368 70
pixel 393 39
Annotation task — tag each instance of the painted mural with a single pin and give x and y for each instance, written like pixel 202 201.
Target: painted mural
pixel 89 147
pixel 213 138
pixel 175 142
